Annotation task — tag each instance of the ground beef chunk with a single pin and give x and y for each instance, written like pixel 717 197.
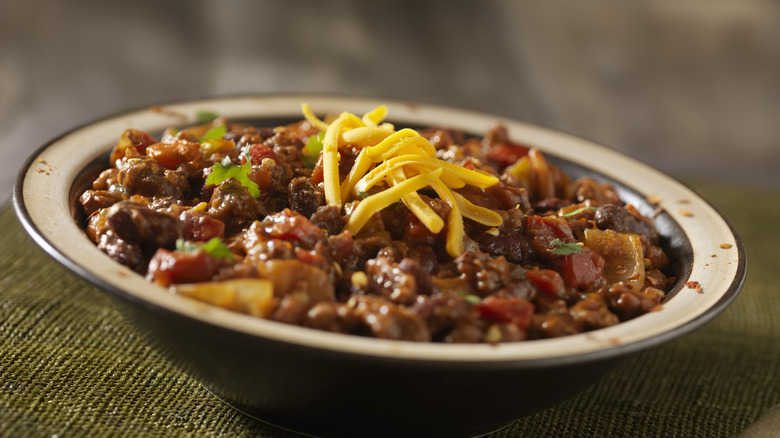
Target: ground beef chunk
pixel 105 179
pixel 130 233
pixel 291 309
pixel 620 219
pixel 519 289
pixel 628 303
pixel 552 326
pixel 386 320
pixel 293 157
pixel 510 241
pixel 551 204
pixel 331 317
pixel 368 245
pixel 400 282
pixel 199 227
pixel 469 330
pixel 122 251
pixel 328 218
pixel 304 197
pixel 497 197
pixel 341 248
pixel 442 138
pixel 270 172
pixel 486 274
pixel 148 228
pixel 587 188
pixel 94 200
pixel 592 313
pixel 442 312
pixel 146 177
pixel 232 204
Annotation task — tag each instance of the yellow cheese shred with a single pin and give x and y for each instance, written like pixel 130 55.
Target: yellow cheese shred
pixel 476 213
pixel 366 136
pixel 417 206
pixel 455 231
pixel 367 207
pixel 400 163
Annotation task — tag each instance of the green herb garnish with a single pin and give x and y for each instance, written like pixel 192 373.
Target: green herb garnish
pixel 214 246
pixel 560 248
pixel 203 117
pixel 221 172
pixel 214 133
pixel 578 211
pixel 473 299
pixel 362 195
pixel 218 249
pixel 311 152
pixel 185 246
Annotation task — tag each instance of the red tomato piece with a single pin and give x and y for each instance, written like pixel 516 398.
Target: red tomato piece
pixel 172 154
pixel 584 270
pixel 258 152
pixel 168 267
pixel 506 154
pixel 547 281
pixel 543 230
pixel 131 138
pixel 513 310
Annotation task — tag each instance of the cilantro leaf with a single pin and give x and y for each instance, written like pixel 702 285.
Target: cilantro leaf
pixel 578 211
pixel 221 172
pixel 218 249
pixel 560 248
pixel 473 299
pixel 215 247
pixel 311 152
pixel 185 246
pixel 214 133
pixel 205 116
pixel 362 195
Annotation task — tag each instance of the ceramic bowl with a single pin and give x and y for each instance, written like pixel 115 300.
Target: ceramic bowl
pixel 329 384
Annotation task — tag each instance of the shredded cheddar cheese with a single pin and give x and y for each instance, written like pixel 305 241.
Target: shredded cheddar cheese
pixel 403 162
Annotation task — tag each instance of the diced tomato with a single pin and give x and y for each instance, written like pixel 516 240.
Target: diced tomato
pixel 514 310
pixel 131 138
pixel 547 281
pixel 168 267
pixel 172 154
pixel 506 154
pixel 584 270
pixel 258 151
pixel 544 230
pixel 289 225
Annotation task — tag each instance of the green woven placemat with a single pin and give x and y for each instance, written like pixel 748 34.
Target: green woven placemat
pixel 70 366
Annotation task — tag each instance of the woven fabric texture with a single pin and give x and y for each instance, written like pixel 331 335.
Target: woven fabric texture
pixel 70 366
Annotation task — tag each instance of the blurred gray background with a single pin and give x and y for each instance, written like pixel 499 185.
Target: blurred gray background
pixel 690 87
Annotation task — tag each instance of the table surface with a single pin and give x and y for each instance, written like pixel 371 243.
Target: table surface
pixel 70 366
